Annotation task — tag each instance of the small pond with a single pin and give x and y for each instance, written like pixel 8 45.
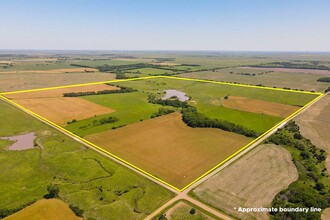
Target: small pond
pixel 21 142
pixel 172 92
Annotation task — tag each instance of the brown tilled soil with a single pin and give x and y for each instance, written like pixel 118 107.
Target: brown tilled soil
pixel 259 106
pixel 167 148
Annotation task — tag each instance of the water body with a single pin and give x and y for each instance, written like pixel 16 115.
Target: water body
pixel 21 142
pixel 172 92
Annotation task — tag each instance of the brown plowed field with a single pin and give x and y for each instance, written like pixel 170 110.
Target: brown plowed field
pixel 259 106
pixel 167 148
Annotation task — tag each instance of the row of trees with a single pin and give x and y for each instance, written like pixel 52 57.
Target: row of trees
pixel 292 65
pixel 162 111
pixel 324 79
pixel 122 89
pixel 194 119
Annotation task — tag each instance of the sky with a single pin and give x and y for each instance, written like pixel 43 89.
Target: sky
pixel 216 25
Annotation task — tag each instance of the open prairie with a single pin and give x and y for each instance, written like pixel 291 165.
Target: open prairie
pixel 169 149
pixel 50 209
pixel 258 106
pixel 252 181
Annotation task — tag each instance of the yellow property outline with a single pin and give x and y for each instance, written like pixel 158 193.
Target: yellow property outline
pixel 2 95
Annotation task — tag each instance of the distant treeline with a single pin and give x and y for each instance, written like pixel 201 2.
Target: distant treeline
pixel 324 79
pixel 122 89
pixel 292 65
pixel 194 119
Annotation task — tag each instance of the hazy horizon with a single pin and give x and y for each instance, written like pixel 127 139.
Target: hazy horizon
pixel 207 26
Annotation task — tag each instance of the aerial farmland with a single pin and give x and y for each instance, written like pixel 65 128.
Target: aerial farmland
pixel 164 110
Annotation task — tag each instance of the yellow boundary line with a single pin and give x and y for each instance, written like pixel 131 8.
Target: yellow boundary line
pixel 153 77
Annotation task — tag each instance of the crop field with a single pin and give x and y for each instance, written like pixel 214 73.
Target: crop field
pixel 169 149
pixel 254 182
pixel 126 130
pixel 23 81
pixel 51 104
pixel 87 179
pixel 293 80
pixel 257 106
pixel 50 209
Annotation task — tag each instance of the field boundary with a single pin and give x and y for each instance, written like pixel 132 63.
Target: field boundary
pixel 2 96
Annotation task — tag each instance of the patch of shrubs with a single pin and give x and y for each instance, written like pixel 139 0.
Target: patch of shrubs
pixel 162 111
pixel 169 102
pixel 78 211
pixel 312 187
pixel 53 191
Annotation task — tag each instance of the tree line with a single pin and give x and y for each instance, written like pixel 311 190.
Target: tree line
pixel 193 118
pixel 122 89
pixel 324 79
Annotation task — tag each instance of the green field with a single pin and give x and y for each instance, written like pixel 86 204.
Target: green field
pixel 102 188
pixel 206 97
pixel 130 108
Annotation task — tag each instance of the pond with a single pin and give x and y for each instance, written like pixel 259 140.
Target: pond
pixel 172 92
pixel 21 142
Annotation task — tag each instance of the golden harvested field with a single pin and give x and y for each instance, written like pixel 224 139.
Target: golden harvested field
pixel 23 81
pixel 252 181
pixel 315 125
pixel 52 105
pixel 63 110
pixel 259 106
pixel 50 209
pixel 67 70
pixel 168 149
pixel 326 214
